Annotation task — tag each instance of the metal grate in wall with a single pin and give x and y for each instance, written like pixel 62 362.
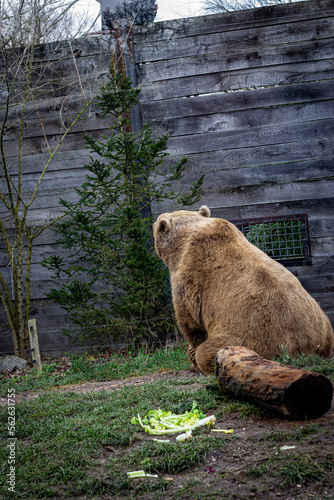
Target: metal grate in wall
pixel 284 238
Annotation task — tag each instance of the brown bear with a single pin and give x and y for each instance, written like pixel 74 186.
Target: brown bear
pixel 228 292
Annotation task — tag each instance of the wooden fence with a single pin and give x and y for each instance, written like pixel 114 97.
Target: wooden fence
pixel 246 96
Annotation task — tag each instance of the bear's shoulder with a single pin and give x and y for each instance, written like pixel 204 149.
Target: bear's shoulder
pixel 216 231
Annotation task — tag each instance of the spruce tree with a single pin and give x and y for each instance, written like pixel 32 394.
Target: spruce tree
pixel 115 285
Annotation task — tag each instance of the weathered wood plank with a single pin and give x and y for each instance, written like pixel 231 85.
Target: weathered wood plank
pixel 318 284
pixel 222 174
pixel 268 134
pixel 320 265
pixel 58 125
pixel 262 164
pixel 325 300
pixel 322 246
pixel 244 120
pixel 37 145
pixel 256 195
pixel 62 181
pixel 287 173
pixel 68 159
pixel 41 283
pixel 269 193
pixel 48 202
pixel 39 253
pixel 235 59
pixel 235 101
pixel 53 84
pixel 49 108
pixel 275 14
pixel 223 81
pixel 93 46
pixel 215 122
pixel 219 195
pixel 272 154
pixel 321 225
pixel 315 208
pixel 249 39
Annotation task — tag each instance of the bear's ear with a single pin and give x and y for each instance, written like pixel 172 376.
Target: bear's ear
pixel 164 226
pixel 204 211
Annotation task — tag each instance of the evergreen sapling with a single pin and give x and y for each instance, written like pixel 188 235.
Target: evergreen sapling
pixel 114 285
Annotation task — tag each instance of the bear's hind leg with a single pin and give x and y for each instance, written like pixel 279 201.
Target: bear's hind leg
pixel 206 352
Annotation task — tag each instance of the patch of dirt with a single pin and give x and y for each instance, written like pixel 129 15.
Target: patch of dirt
pixel 112 385
pixel 109 385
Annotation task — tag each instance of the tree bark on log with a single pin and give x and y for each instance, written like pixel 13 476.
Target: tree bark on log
pixel 293 392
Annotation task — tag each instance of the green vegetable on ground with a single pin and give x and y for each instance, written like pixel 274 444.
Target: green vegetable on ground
pixel 139 473
pixel 159 422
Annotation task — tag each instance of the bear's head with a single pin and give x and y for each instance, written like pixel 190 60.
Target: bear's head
pixel 171 229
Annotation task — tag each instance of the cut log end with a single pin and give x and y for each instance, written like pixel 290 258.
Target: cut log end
pixel 293 392
pixel 309 397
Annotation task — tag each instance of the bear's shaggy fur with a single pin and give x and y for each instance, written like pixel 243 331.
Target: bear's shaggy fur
pixel 228 292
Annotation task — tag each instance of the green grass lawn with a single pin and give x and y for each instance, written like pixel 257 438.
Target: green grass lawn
pixel 81 445
pixel 87 367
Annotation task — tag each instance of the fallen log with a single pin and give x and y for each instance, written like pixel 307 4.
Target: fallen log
pixel 293 392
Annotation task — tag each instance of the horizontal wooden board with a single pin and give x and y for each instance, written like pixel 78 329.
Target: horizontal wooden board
pixel 79 48
pixel 239 120
pixel 219 194
pixel 37 145
pixel 269 193
pixel 286 173
pixel 273 14
pixel 249 39
pixel 266 163
pixel 325 300
pixel 48 107
pixel 273 154
pixel 224 81
pixel 234 59
pixel 235 101
pixel 57 126
pixel 315 208
pixel 55 86
pixel 266 193
pixel 321 225
pixel 39 253
pixel 34 164
pixel 318 284
pixel 260 135
pixel 322 246
pixel 40 290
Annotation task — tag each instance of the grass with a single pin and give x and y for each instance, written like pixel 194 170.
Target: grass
pixel 70 445
pixel 59 437
pixel 85 367
pixel 304 469
pixel 310 362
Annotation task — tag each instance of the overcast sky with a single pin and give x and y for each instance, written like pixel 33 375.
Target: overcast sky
pixel 167 9
pixel 171 9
